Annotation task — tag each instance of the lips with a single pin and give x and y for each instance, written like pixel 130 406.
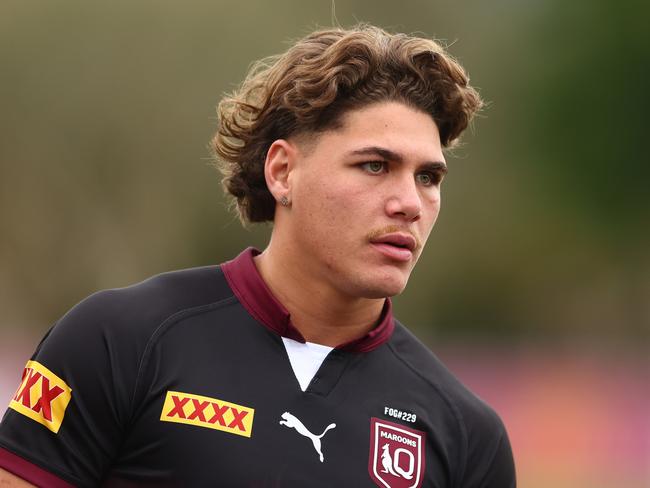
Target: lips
pixel 396 246
pixel 403 241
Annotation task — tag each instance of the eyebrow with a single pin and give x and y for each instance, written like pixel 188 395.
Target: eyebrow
pixel 394 156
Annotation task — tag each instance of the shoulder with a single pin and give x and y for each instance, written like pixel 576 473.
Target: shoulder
pixel 486 458
pixel 113 328
pixel 471 411
pixel 140 308
pixel 90 365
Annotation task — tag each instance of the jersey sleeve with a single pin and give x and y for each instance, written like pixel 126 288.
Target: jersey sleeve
pixel 490 462
pixel 501 471
pixel 68 415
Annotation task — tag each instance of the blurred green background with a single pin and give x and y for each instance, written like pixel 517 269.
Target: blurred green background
pixel 543 243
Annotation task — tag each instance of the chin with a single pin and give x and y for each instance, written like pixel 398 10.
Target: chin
pixel 383 288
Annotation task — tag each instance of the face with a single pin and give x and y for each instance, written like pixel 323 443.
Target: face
pixel 364 198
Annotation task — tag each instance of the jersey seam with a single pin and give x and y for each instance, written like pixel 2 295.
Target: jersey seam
pixel 54 470
pixel 452 405
pixel 158 331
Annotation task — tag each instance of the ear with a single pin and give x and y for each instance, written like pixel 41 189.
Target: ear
pixel 279 163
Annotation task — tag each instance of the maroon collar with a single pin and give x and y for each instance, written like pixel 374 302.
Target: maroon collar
pixel 253 293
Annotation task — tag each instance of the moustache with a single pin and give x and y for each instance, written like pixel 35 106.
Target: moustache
pixel 390 229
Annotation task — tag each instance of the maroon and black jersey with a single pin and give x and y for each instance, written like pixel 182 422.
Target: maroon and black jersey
pixel 198 378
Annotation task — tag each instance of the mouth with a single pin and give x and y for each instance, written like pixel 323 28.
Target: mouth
pixel 396 246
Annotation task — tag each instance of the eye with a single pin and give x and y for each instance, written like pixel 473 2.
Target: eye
pixel 428 178
pixel 374 167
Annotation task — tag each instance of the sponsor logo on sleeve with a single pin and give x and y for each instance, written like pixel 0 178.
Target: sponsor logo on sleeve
pixel 212 413
pixel 396 455
pixel 42 396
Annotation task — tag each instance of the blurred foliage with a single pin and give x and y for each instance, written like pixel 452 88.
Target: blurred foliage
pixel 107 109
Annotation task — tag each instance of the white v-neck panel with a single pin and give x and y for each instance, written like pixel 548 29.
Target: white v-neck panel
pixel 305 359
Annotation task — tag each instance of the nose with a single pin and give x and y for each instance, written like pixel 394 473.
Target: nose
pixel 405 201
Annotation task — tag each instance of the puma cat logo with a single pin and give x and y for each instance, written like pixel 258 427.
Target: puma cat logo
pixel 292 422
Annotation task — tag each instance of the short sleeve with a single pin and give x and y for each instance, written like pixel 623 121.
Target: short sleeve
pixel 490 462
pixel 73 401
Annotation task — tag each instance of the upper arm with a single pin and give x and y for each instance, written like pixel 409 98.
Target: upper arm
pixel 500 472
pixel 490 462
pixel 9 480
pixel 74 399
pixel 20 473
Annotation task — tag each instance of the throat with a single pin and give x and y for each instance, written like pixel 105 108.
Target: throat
pixel 320 313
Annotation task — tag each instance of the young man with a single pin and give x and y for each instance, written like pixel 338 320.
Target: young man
pixel 286 367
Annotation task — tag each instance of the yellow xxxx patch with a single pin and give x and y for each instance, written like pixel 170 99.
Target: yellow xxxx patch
pixel 212 413
pixel 42 396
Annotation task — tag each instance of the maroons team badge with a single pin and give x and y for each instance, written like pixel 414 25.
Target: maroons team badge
pixel 396 455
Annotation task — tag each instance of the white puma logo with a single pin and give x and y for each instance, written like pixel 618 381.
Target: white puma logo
pixel 292 421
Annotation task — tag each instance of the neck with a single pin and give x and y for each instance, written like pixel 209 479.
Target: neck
pixel 322 314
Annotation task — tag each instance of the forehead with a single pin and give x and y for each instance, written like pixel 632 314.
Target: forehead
pixel 392 125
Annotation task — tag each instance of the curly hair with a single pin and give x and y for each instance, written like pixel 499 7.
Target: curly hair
pixel 310 87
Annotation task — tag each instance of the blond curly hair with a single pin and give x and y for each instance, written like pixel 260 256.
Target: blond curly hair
pixel 307 89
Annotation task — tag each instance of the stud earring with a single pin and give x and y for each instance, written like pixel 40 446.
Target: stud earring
pixel 284 201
